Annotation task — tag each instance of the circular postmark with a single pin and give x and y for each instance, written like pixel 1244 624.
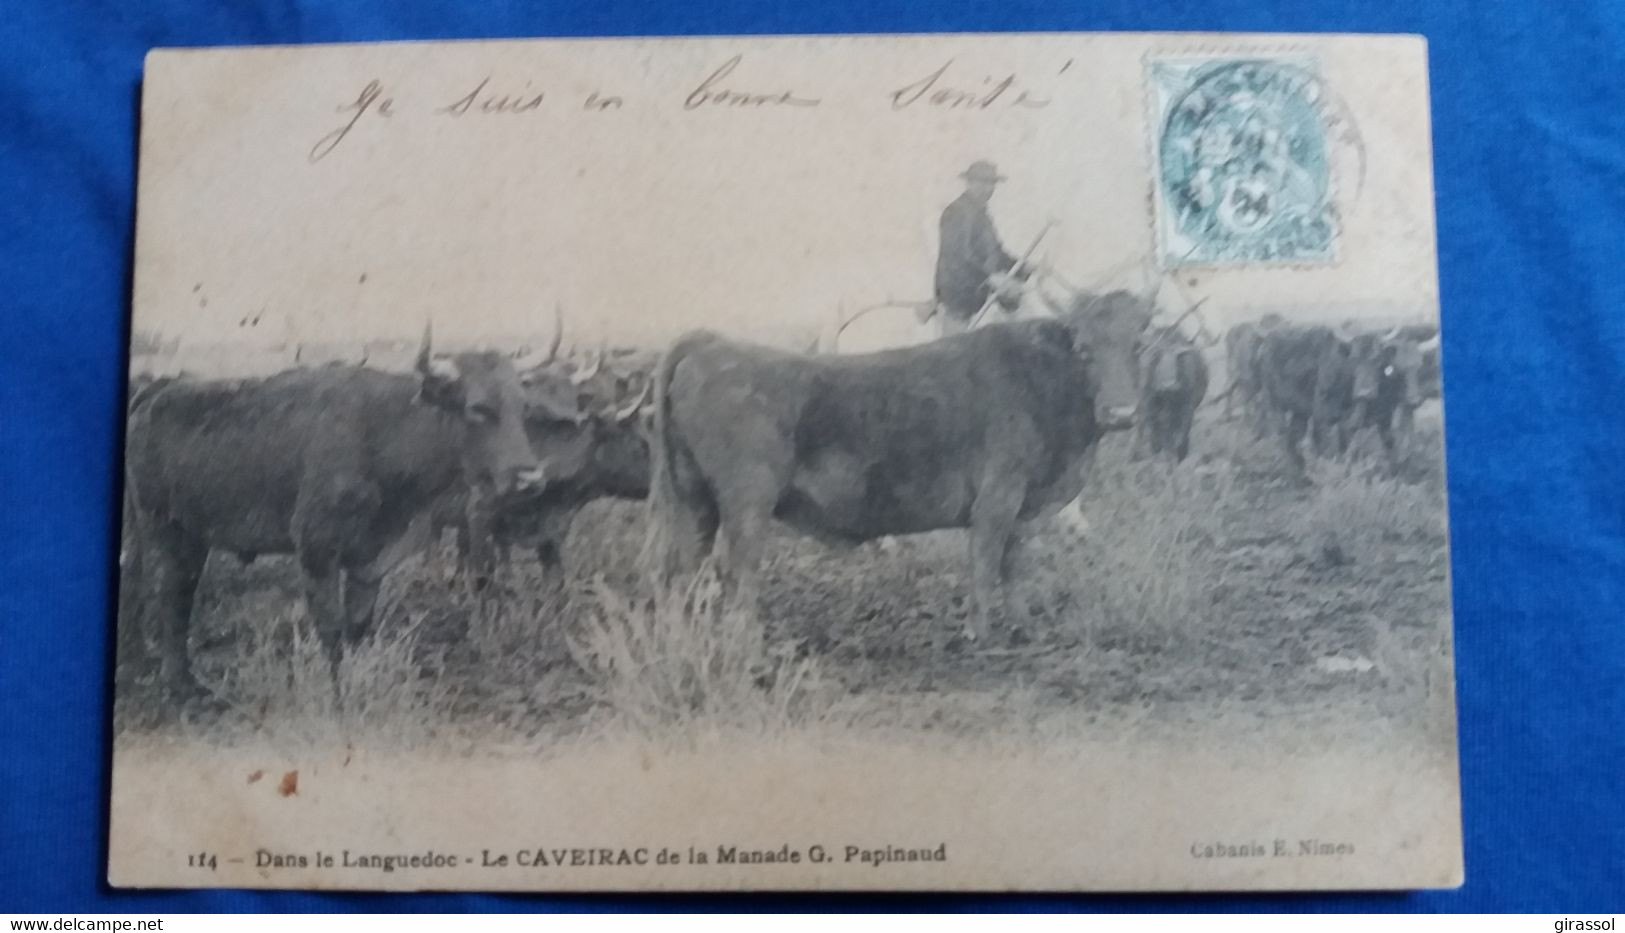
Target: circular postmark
pixel 1246 166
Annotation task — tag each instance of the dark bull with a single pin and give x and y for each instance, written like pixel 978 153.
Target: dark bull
pixel 607 456
pixel 1316 381
pixel 1387 386
pixel 979 431
pixel 587 425
pixel 1175 382
pixel 337 465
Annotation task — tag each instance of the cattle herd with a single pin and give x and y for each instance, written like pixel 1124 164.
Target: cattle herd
pixel 353 469
pixel 1328 384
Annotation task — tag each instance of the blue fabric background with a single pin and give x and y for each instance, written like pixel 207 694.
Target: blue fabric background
pixel 1530 166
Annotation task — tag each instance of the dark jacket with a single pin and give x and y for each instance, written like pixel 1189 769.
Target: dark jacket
pixel 970 252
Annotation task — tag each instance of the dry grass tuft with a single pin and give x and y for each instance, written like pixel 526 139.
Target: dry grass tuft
pixel 1357 510
pixel 683 663
pixel 389 693
pixel 1148 549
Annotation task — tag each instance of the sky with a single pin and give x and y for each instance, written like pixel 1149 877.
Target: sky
pixel 712 194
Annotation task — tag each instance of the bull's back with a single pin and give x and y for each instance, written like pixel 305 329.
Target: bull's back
pixel 1289 364
pixel 1241 346
pixel 889 442
pixel 881 451
pixel 226 462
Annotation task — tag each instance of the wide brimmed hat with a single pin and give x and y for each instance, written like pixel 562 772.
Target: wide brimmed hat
pixel 981 170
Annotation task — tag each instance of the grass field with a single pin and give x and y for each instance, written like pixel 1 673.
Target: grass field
pixel 1217 591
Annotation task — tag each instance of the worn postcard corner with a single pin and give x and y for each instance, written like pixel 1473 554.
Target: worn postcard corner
pixel 880 462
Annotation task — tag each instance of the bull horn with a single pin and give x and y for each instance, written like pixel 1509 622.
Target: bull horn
pixel 527 359
pixel 424 358
pixel 625 414
pixel 428 365
pixel 558 333
pixel 591 369
pixel 1428 345
pixel 1392 334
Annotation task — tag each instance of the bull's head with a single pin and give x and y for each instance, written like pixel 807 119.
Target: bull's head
pixel 1369 358
pixel 624 432
pixel 1407 357
pixel 559 429
pixel 1161 351
pixel 482 390
pixel 557 426
pixel 1106 330
pixel 591 422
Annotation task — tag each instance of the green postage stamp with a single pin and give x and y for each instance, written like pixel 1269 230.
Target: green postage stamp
pixel 1244 173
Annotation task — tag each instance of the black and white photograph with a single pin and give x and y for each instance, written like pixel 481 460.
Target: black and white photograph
pixel 957 462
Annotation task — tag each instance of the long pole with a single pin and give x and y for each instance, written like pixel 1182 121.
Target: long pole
pixel 993 295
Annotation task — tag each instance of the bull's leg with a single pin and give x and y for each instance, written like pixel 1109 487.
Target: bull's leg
pixel 318 534
pixel 1390 451
pixel 174 561
pixel 1258 416
pixel 547 554
pixel 993 520
pixel 324 592
pixel 360 599
pixel 366 566
pixel 1319 437
pixel 135 651
pixel 1021 557
pixel 1163 416
pixel 502 567
pixel 551 563
pixel 1404 424
pixel 480 541
pixel 1330 436
pixel 334 526
pixel 1182 433
pixel 683 535
pixel 744 531
pixel 1293 427
pixel 1070 517
pixel 460 561
pixel 324 598
pixel 1350 427
pixel 356 599
pixel 134 658
pixel 1163 419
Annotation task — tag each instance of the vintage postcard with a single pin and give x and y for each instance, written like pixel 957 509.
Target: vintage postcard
pixel 879 462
